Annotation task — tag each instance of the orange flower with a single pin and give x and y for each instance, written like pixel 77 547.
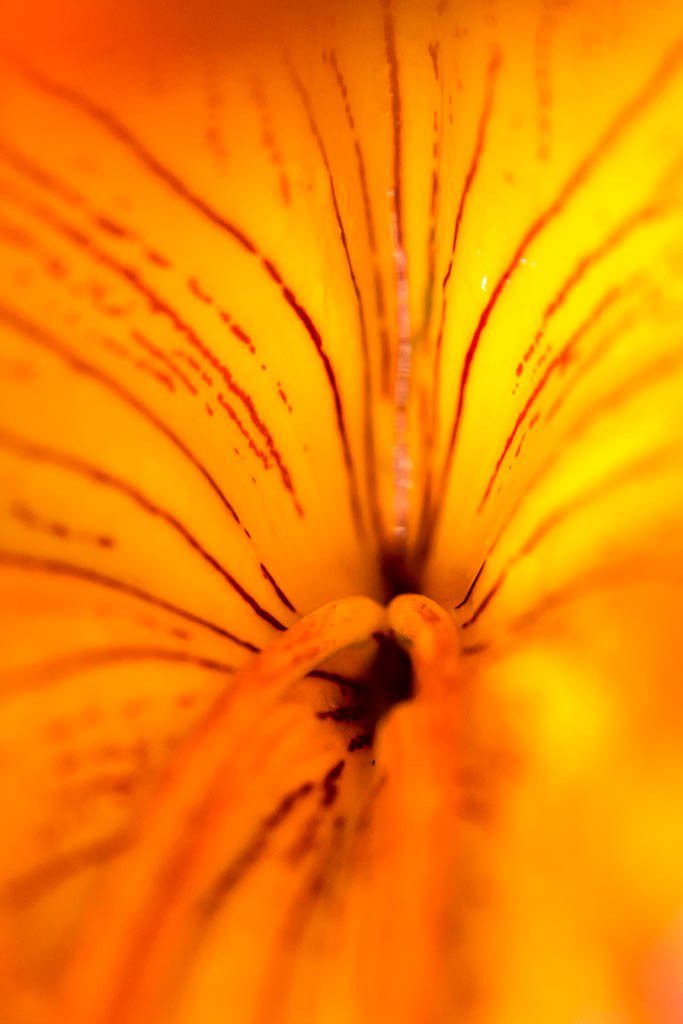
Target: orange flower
pixel 303 313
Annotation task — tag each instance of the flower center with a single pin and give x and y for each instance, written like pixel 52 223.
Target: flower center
pixel 189 828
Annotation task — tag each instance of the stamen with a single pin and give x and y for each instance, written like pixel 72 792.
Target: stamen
pixel 430 636
pixel 417 750
pixel 118 971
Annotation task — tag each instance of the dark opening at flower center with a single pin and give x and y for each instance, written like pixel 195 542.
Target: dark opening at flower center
pixel 399 576
pixel 390 679
pixel 387 682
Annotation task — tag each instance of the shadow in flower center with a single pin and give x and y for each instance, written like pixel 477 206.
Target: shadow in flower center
pixel 388 679
pixel 387 682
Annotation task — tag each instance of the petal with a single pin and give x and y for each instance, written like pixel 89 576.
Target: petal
pixel 464 286
pixel 182 422
pixel 252 760
pixel 558 501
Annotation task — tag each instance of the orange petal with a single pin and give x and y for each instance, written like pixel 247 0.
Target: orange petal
pixel 326 301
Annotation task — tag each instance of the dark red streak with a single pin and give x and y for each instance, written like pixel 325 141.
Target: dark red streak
pixel 159 354
pixel 433 211
pixel 24 166
pixel 371 456
pixel 433 50
pixel 158 305
pixel 253 447
pixel 157 259
pixel 330 783
pixel 471 588
pixel 650 462
pixel 54 528
pixel 479 145
pixel 38 335
pixel 623 120
pixel 576 429
pixel 348 462
pixel 346 713
pixel 194 364
pixel 599 351
pixel 57 188
pixel 175 874
pixel 140 364
pixel 30 170
pixel 100 476
pixel 18 560
pixel 472 650
pixel 102 657
pixel 270 144
pixel 278 589
pixel 560 361
pixel 251 853
pixel 242 336
pixel 315 131
pixel 369 221
pixel 123 134
pixel 484 603
pixel 109 226
pixel 337 678
pixel 196 289
pixel 618 235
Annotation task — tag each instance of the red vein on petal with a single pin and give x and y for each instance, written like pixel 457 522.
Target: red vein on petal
pixel 560 361
pixel 623 120
pixel 20 560
pixel 132 143
pixel 495 61
pixel 97 474
pixel 159 305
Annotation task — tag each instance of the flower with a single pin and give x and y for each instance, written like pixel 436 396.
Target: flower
pixel 306 313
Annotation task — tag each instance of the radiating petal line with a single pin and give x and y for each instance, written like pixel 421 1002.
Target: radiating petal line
pixel 38 335
pixel 97 474
pixel 118 130
pixel 33 676
pixel 370 458
pixel 648 94
pixel 424 524
pixel 33 563
pixel 159 305
pixel 651 462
